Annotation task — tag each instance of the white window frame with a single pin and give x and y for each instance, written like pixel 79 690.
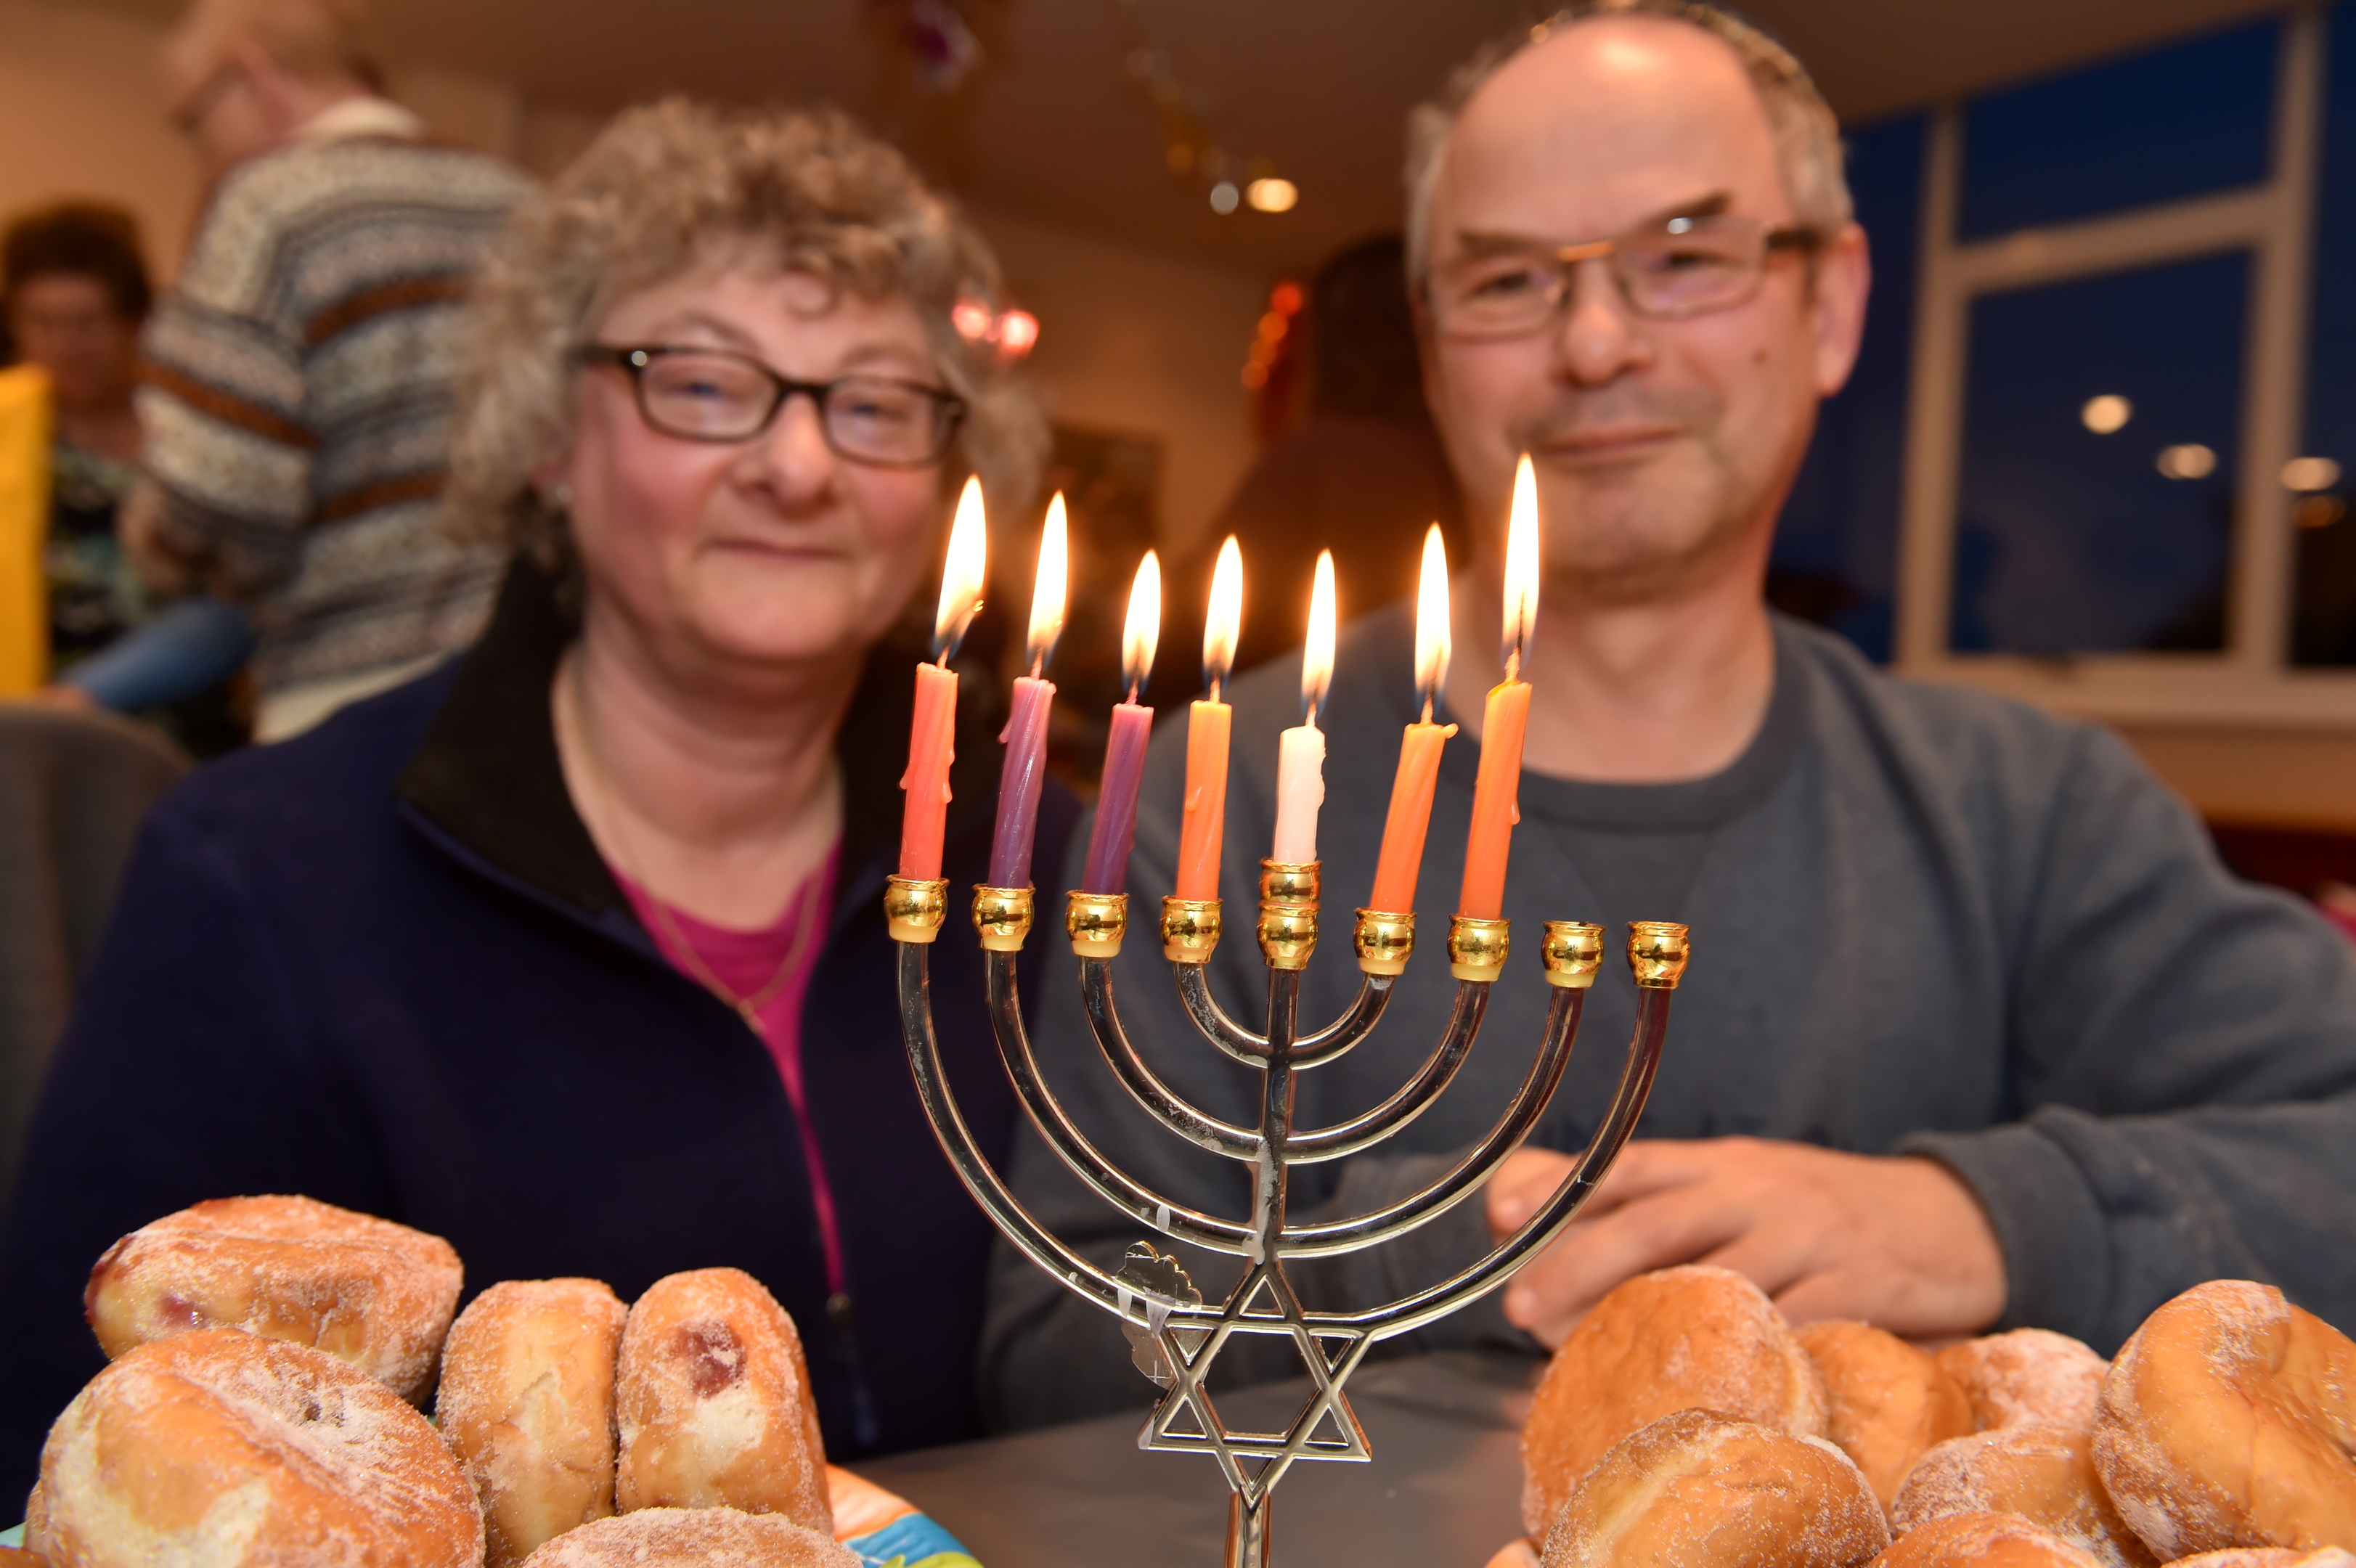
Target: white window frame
pixel 2251 682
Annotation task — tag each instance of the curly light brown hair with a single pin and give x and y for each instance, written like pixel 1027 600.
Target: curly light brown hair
pixel 677 185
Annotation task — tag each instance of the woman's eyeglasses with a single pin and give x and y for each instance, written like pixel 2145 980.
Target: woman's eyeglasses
pixel 1667 272
pixel 714 394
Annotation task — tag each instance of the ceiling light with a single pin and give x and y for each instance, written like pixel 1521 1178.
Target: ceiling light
pixel 2106 413
pixel 1271 195
pixel 2310 473
pixel 2191 461
pixel 1224 198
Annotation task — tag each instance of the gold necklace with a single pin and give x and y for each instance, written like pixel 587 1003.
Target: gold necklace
pixel 748 1007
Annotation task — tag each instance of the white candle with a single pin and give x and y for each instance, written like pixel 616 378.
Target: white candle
pixel 1301 756
pixel 1300 791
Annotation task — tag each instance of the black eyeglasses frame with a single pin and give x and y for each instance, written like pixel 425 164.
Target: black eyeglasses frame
pixel 634 359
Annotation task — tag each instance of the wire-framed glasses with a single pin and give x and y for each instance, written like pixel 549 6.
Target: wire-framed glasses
pixel 716 394
pixel 1665 271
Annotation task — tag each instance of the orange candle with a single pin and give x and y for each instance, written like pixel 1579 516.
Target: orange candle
pixel 1204 826
pixel 932 731
pixel 1506 720
pixel 1419 766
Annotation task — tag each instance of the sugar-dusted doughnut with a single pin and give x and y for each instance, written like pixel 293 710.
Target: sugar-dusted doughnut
pixel 1983 1541
pixel 1687 1338
pixel 227 1449
pixel 1700 1490
pixel 373 1293
pixel 714 1405
pixel 16 1557
pixel 2029 1374
pixel 2042 1471
pixel 2269 1557
pixel 2228 1420
pixel 693 1538
pixel 526 1404
pixel 1886 1400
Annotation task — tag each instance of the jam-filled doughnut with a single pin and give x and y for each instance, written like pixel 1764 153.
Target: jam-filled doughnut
pixel 2269 1557
pixel 714 1404
pixel 1886 1400
pixel 2029 1374
pixel 2042 1471
pixel 366 1290
pixel 1983 1541
pixel 1687 1338
pixel 2228 1420
pixel 1700 1490
pixel 233 1451
pixel 693 1538
pixel 526 1404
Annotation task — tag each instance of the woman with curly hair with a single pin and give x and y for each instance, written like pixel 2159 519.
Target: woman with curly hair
pixel 572 952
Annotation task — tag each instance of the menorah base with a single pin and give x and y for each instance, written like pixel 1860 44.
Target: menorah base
pixel 1248 1530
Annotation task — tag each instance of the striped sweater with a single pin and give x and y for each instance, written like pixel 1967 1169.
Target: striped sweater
pixel 295 396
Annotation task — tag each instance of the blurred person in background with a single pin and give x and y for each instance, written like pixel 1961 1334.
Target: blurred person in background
pixel 73 295
pixel 569 951
pixel 297 385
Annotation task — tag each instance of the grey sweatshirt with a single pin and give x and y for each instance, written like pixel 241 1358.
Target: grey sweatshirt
pixel 1924 920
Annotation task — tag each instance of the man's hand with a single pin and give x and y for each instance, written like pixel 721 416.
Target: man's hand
pixel 1899 1242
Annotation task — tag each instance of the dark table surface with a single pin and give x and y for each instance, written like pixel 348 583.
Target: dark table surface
pixel 1443 1490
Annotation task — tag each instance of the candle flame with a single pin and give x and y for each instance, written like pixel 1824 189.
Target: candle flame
pixel 961 574
pixel 1521 567
pixel 1047 593
pixel 1317 653
pixel 1225 622
pixel 1143 629
pixel 1431 630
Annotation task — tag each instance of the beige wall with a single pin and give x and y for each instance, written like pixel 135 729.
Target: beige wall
pixel 2303 778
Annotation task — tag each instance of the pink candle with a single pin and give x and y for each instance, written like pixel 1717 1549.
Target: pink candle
pixel 1025 769
pixel 932 730
pixel 1124 764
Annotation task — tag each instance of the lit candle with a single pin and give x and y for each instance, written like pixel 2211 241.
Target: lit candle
pixel 932 733
pixel 1300 753
pixel 1205 811
pixel 1025 737
pixel 1124 764
pixel 1419 766
pixel 1506 720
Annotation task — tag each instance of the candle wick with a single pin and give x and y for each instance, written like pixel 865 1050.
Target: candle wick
pixel 943 661
pixel 1038 663
pixel 1132 693
pixel 1514 667
pixel 1214 688
pixel 1426 708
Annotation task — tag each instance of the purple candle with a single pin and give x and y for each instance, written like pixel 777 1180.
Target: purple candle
pixel 1018 782
pixel 1026 728
pixel 1124 764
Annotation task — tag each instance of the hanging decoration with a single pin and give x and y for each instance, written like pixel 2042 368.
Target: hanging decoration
pixel 940 46
pixel 1189 149
pixel 1272 371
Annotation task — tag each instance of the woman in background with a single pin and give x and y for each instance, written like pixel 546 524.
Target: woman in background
pixel 572 950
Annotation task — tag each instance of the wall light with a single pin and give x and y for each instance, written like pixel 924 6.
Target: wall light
pixel 1271 195
pixel 2310 473
pixel 2191 461
pixel 2106 413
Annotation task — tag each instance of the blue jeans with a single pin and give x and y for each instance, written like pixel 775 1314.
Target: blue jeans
pixel 190 645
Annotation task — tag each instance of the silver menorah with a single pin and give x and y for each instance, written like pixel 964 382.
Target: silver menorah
pixel 1175 1335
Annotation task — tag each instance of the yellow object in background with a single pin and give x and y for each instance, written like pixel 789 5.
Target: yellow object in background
pixel 24 530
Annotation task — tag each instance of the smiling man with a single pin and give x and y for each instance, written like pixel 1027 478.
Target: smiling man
pixel 1977 1032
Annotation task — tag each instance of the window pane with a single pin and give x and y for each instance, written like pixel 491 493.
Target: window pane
pixel 2323 628
pixel 1837 542
pixel 2102 420
pixel 2178 122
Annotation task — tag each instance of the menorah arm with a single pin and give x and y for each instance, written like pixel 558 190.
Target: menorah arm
pixel 1194 990
pixel 1160 1101
pixel 1109 1183
pixel 989 1189
pixel 1472 1172
pixel 1413 1098
pixel 1428 1306
pixel 1329 1043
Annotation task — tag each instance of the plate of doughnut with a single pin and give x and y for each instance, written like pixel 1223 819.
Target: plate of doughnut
pixel 1685 1423
pixel 271 1362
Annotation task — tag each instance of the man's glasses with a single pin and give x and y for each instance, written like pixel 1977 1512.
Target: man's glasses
pixel 1667 272
pixel 713 394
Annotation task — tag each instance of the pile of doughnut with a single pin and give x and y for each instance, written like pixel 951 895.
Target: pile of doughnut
pixel 1685 1423
pixel 270 1359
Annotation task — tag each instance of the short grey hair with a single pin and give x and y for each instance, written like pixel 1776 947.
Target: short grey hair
pixel 1807 134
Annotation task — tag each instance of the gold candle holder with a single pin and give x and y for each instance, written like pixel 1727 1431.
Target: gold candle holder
pixel 1002 915
pixel 1573 952
pixel 1383 940
pixel 1288 913
pixel 1477 948
pixel 1657 952
pixel 1190 929
pixel 915 907
pixel 1096 922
